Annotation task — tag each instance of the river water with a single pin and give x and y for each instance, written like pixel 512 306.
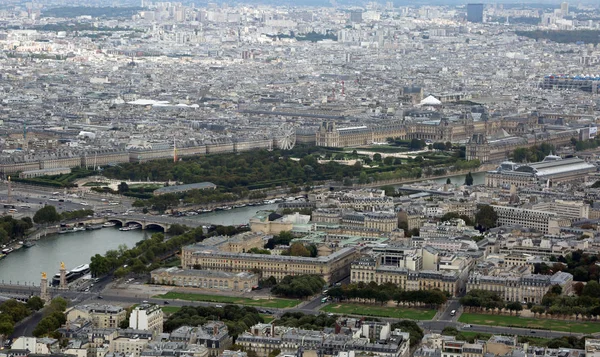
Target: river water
pixel 26 264
pixel 478 179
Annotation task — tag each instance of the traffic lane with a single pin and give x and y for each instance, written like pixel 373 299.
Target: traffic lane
pixel 26 327
pixel 315 303
pixel 447 314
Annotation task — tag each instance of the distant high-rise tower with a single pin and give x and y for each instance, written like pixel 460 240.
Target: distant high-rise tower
pixel 356 16
pixel 564 8
pixel 475 13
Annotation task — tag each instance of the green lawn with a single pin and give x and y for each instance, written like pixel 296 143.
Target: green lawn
pixel 531 323
pixel 379 311
pixel 170 309
pixel 267 318
pixel 273 303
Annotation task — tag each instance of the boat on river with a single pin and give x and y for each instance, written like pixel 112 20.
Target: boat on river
pixel 109 224
pixel 71 230
pixel 131 227
pixel 72 274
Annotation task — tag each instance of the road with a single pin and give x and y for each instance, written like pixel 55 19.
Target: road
pixel 99 293
pixel 36 197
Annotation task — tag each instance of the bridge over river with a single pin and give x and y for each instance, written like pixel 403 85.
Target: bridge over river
pixel 148 221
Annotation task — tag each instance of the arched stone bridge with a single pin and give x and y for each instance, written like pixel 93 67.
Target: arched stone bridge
pixel 154 222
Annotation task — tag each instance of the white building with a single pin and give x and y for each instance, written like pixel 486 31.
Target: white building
pixel 147 317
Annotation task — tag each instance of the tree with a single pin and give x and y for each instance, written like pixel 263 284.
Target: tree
pixel 99 265
pixel 578 288
pixel 35 303
pixel 299 250
pixel 7 326
pixel 486 217
pixel 177 229
pixel 556 289
pixel 538 310
pixel 123 187
pixel 362 178
pixel 591 289
pixel 46 214
pixel 469 179
pixel 377 157
pixel 514 306
pixel 415 332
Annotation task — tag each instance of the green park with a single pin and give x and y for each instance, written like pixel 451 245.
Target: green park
pixel 585 327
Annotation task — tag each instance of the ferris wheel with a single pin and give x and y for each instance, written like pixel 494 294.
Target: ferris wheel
pixel 287 138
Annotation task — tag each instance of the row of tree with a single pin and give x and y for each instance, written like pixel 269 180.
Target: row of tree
pixel 582 265
pixel 488 300
pixel 307 322
pixel 299 286
pixel 12 229
pixel 535 153
pixel 238 319
pixel 383 293
pixel 48 214
pixel 13 311
pixel 148 254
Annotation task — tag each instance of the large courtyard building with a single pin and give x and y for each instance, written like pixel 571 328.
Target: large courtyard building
pixel 331 268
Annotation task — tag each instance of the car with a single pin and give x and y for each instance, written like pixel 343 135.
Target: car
pixel 330 314
pixel 145 301
pixel 100 297
pixel 467 326
pixel 166 302
pixel 219 306
pixel 531 331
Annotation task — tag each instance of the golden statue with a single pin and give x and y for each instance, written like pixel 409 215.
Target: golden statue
pixel 62 265
pixel 44 276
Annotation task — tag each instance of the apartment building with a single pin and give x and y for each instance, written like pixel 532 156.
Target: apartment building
pixel 147 317
pixel 369 269
pixel 128 346
pixel 542 221
pixel 569 209
pixel 522 288
pixel 102 316
pixel 364 338
pixel 462 349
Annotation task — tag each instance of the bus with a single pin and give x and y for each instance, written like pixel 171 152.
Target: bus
pixel 12 210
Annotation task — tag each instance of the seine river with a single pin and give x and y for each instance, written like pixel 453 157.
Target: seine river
pixel 26 265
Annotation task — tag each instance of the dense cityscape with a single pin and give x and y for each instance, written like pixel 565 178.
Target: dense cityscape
pixel 340 179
